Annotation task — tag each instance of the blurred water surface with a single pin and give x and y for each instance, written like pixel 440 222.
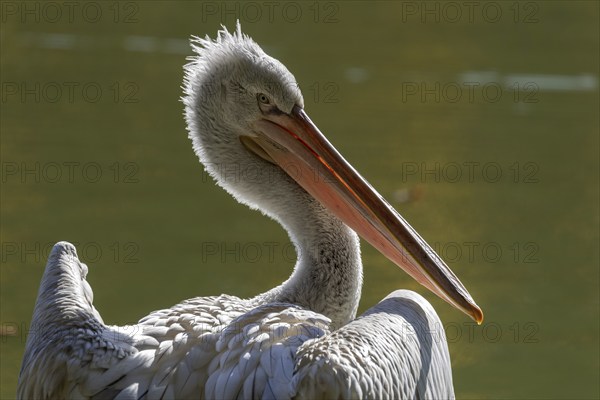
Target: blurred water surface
pixel 481 128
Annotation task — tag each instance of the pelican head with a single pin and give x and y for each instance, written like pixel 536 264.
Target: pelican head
pixel 246 118
pixel 231 87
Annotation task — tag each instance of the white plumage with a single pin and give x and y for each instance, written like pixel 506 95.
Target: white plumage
pixel 222 348
pixel 298 340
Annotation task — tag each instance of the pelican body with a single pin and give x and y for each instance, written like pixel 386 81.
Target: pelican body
pixel 300 339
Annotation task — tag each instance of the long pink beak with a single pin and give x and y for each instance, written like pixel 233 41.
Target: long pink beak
pixel 294 143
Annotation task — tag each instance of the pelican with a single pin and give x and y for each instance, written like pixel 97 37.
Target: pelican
pixel 298 340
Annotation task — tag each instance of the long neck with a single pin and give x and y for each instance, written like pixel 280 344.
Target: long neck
pixel 327 277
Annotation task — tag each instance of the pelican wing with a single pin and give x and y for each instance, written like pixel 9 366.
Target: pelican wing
pixel 222 348
pixel 71 353
pixel 395 350
pixel 257 352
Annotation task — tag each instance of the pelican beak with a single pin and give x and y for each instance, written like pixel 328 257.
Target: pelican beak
pixel 296 145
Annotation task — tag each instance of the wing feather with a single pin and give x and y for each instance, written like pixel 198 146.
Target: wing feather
pixel 71 353
pixel 256 352
pixel 395 350
pixel 221 347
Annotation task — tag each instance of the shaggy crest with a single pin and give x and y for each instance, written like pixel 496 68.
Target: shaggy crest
pixel 230 49
pixel 225 47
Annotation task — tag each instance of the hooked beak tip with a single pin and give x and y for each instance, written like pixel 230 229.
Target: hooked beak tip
pixel 477 314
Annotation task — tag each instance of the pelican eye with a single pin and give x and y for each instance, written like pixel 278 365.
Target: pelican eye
pixel 263 99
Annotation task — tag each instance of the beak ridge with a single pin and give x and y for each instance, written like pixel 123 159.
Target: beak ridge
pixel 293 142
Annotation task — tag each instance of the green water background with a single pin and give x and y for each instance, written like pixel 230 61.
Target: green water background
pixel 381 81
